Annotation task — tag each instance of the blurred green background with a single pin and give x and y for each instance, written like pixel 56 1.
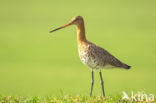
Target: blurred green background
pixel 34 62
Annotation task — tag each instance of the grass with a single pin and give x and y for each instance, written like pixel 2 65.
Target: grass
pixel 66 99
pixel 34 63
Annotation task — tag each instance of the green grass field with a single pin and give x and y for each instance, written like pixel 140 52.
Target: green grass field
pixel 34 63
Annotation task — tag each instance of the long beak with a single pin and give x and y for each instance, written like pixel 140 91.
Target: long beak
pixel 61 27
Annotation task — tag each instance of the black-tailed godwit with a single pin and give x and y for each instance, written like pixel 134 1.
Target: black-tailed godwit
pixel 92 55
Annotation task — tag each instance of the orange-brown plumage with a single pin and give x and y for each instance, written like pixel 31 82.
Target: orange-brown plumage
pixel 92 55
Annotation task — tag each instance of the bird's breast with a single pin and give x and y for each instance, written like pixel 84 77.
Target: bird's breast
pixel 85 53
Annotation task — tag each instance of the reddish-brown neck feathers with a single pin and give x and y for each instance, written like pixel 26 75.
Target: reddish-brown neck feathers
pixel 81 32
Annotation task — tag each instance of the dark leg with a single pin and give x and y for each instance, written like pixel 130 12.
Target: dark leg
pixel 102 83
pixel 92 83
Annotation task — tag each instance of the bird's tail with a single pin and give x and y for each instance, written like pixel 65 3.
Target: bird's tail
pixel 125 66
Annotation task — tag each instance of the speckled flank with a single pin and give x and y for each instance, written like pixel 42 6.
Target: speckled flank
pixel 96 57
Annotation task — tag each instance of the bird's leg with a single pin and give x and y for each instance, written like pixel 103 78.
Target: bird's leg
pixel 92 82
pixel 102 84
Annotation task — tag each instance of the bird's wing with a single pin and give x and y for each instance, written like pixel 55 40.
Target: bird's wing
pixel 103 57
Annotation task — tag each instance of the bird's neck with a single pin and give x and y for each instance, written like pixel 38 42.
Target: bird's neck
pixel 81 37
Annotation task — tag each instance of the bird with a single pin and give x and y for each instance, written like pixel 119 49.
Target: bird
pixel 92 55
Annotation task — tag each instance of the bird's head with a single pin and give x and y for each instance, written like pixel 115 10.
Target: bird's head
pixel 75 21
